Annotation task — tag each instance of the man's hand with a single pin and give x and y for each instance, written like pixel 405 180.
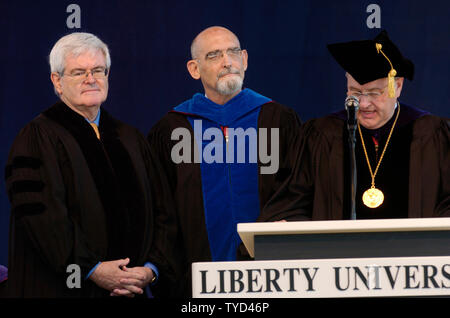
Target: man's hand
pixel 143 277
pixel 108 275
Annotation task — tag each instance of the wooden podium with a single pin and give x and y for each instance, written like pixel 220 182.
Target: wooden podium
pixel 348 258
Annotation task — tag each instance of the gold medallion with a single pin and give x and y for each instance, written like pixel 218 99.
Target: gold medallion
pixel 373 198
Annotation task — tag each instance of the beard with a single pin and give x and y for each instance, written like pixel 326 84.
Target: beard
pixel 230 84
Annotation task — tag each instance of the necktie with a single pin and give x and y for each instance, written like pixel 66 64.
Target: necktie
pixel 94 126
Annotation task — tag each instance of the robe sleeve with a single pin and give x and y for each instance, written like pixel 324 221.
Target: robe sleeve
pixel 289 125
pixel 294 197
pixel 166 251
pixel 443 141
pixel 36 192
pixel 275 193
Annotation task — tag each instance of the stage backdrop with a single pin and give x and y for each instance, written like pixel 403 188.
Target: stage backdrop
pixel 149 42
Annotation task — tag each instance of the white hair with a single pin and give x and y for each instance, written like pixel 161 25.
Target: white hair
pixel 76 43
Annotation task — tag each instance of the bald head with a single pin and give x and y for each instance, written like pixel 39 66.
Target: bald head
pixel 219 62
pixel 209 32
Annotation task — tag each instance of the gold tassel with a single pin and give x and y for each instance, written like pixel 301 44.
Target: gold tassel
pixel 392 73
pixel 378 46
pixel 391 83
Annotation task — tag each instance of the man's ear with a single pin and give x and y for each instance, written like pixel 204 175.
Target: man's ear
pixel 56 80
pixel 245 59
pixel 192 67
pixel 399 86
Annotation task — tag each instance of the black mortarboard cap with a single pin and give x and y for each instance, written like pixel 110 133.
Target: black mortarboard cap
pixel 369 60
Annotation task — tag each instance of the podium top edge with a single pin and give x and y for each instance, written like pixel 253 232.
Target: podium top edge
pixel 342 226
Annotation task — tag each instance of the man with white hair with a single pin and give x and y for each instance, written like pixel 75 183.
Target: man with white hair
pixel 82 189
pixel 213 195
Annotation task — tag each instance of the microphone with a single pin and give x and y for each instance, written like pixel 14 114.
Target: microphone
pixel 352 106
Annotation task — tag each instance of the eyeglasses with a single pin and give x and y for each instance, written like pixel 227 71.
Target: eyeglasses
pixel 369 95
pixel 81 75
pixel 216 55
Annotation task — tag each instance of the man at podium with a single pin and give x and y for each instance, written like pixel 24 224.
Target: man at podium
pixel 401 152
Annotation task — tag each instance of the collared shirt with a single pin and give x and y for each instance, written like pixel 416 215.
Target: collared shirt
pixel 96 120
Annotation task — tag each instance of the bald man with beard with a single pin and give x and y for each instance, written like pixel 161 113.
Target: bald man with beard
pixel 213 196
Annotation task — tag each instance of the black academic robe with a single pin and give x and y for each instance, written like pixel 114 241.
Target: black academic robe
pixel 186 184
pixel 414 174
pixel 79 200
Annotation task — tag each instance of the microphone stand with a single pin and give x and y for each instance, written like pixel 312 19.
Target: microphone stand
pixel 352 106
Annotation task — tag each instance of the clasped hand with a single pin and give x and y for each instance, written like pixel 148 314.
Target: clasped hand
pixel 120 280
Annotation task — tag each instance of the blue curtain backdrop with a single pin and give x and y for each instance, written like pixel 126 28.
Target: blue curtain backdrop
pixel 149 42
